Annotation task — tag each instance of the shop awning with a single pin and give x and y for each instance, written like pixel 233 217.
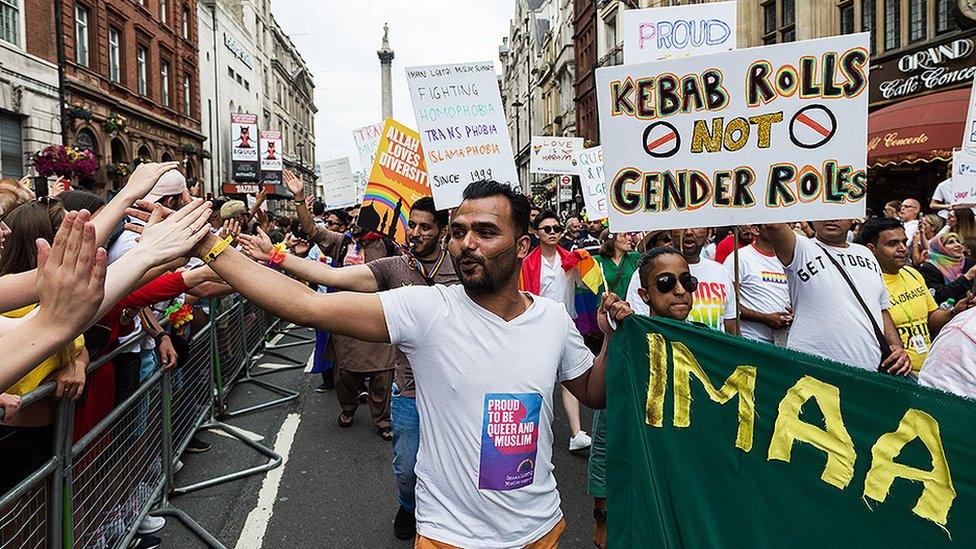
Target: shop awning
pixel 922 129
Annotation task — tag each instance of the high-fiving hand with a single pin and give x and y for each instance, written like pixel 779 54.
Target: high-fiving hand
pixel 258 247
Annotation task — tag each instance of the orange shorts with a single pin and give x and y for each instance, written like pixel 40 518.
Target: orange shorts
pixel 548 541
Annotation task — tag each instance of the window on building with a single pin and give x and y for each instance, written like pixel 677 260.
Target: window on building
pixel 86 141
pixel 867 21
pixel 230 73
pixel 164 82
pixel 11 146
pixel 944 20
pixel 247 85
pixel 164 11
pixel 187 88
pixel 186 22
pixel 114 57
pixel 917 19
pixel 779 21
pixel 892 21
pixel 10 21
pixel 141 69
pixel 847 17
pixel 81 35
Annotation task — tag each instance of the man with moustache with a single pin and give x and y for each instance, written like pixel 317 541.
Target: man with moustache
pixel 426 264
pixel 485 358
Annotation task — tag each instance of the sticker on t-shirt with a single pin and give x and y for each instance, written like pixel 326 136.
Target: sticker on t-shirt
pixel 509 440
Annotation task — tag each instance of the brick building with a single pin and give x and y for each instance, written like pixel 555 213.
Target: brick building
pixel 133 64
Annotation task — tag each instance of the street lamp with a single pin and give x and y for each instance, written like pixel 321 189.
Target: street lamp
pixel 518 144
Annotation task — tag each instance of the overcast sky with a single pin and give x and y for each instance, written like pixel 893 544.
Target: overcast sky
pixel 339 39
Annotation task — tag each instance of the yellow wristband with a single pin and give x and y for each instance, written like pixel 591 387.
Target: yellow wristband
pixel 217 249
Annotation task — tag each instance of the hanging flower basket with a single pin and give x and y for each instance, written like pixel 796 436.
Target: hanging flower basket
pixel 119 169
pixel 204 153
pixel 78 113
pixel 114 125
pixel 64 161
pixel 189 149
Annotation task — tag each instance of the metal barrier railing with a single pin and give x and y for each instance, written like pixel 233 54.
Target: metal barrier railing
pixel 96 492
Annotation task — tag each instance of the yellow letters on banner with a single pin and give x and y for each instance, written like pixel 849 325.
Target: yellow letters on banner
pixel 657 380
pixel 938 491
pixel 834 440
pixel 742 382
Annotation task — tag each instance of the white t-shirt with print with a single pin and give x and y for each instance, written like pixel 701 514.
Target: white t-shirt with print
pixel 951 363
pixel 762 288
pixel 943 193
pixel 484 397
pixel 714 300
pixel 827 319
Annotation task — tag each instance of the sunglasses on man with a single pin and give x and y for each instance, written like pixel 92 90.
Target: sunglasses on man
pixel 551 229
pixel 666 282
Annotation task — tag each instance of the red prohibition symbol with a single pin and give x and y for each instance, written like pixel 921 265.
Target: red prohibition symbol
pixel 661 139
pixel 812 126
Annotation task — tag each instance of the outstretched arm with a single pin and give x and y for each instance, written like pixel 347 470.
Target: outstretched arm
pixel 356 278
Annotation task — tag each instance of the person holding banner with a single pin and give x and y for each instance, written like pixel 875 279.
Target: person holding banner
pixel 763 291
pixel 667 289
pixel 840 302
pixel 425 265
pixel 485 359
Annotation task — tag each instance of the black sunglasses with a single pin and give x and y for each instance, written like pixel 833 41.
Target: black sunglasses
pixel 668 281
pixel 551 229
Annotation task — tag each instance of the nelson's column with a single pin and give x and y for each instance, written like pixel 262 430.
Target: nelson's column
pixel 385 53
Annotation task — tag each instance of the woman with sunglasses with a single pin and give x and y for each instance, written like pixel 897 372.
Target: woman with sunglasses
pixel 667 289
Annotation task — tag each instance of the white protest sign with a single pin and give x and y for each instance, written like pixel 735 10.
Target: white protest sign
pixel 762 135
pixel 589 167
pixel 969 131
pixel 678 31
pixel 341 189
pixel 553 154
pixel 462 128
pixel 367 141
pixel 963 178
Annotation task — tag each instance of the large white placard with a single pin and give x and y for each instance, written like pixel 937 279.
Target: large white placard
pixel 462 128
pixel 678 31
pixel 553 154
pixel 367 140
pixel 969 132
pixel 763 135
pixel 341 188
pixel 589 167
pixel 963 177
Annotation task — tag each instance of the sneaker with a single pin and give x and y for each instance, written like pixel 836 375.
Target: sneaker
pixel 145 542
pixel 580 441
pixel 197 446
pixel 363 397
pixel 404 524
pixel 151 524
pixel 325 386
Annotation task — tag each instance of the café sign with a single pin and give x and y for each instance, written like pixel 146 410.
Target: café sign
pixel 940 66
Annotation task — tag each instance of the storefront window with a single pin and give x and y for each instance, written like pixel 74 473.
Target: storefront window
pixel 867 21
pixel 916 20
pixel 892 30
pixel 847 18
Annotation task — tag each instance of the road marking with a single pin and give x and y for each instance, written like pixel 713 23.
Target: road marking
pixel 247 434
pixel 274 366
pixel 310 363
pixel 256 525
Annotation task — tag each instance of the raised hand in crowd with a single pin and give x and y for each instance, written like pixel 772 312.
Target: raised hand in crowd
pixel 258 247
pixel 294 184
pixel 231 228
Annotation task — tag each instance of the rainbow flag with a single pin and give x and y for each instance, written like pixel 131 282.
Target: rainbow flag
pixel 589 271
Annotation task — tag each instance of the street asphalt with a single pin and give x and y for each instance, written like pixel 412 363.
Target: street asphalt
pixel 336 487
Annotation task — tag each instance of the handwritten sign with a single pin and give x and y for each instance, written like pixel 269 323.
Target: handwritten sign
pixel 969 132
pixel 367 141
pixel 462 128
pixel 341 188
pixel 762 135
pixel 398 179
pixel 963 178
pixel 589 167
pixel 678 31
pixel 554 154
pixel 271 163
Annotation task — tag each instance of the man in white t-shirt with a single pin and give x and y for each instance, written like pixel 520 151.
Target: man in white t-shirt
pixel 910 210
pixel 485 359
pixel 942 199
pixel 828 319
pixel 951 362
pixel 715 296
pixel 764 294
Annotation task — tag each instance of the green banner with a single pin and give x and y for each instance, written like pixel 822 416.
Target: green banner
pixel 715 441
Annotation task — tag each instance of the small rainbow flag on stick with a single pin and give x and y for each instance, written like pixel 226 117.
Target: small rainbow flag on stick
pixel 589 271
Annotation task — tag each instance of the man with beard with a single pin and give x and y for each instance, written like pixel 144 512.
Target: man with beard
pixel 427 264
pixel 830 314
pixel 715 296
pixel 485 359
pixel 666 288
pixel 355 360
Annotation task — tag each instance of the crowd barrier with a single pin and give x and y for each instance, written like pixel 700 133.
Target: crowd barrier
pixel 95 492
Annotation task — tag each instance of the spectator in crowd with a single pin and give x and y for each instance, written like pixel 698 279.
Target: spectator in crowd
pixel 948 273
pixel 655 239
pixel 335 221
pixel 32 431
pixel 571 234
pixel 930 225
pixel 892 209
pixel 666 287
pixel 595 228
pixel 951 364
pixel 913 311
pixel 587 241
pixel 714 300
pixel 548 270
pixel 828 317
pixel 725 247
pixel 965 227
pixel 13 193
pixel 941 201
pixel 426 264
pixel 764 295
pixel 909 216
pixel 617 260
pixel 533 236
